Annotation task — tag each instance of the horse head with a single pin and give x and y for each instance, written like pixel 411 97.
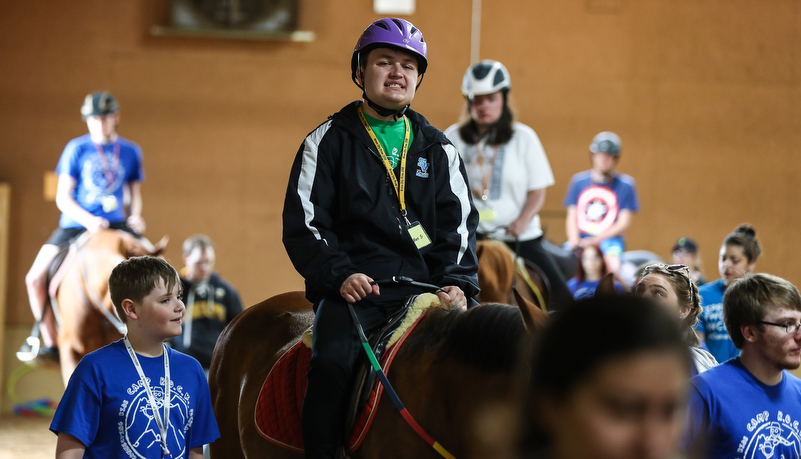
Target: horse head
pixel 534 317
pixel 131 246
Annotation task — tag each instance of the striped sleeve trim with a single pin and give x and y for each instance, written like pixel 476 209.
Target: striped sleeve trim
pixel 461 190
pixel 308 171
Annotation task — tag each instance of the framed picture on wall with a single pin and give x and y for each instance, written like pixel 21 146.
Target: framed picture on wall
pixel 245 19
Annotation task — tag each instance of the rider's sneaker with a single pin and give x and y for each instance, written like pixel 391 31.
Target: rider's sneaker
pixel 29 349
pixel 48 356
pixel 31 353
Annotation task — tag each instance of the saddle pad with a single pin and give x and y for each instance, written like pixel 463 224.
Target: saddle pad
pixel 278 407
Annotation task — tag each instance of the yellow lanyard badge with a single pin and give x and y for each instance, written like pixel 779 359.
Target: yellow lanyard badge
pixel 415 229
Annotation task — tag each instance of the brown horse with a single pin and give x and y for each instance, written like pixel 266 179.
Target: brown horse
pixel 457 374
pixel 500 272
pixel 87 317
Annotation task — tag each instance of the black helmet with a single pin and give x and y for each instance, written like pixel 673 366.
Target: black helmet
pixel 606 142
pixel 99 103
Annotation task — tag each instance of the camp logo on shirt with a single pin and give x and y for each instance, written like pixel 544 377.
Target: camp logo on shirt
pixel 422 168
pixel 94 179
pixel 773 437
pixel 139 433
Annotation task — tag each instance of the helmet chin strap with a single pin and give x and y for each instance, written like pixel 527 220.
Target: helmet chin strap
pixel 396 114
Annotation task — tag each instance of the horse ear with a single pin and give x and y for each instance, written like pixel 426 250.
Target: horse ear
pixel 534 317
pixel 161 245
pixel 606 286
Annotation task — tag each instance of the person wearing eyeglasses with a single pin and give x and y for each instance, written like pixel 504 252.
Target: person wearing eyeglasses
pixel 671 286
pixel 738 256
pixel 750 406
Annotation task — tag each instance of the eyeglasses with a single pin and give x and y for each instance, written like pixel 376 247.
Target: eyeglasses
pixel 790 328
pixel 674 268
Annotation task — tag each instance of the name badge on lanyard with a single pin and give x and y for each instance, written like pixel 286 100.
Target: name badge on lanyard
pixel 415 229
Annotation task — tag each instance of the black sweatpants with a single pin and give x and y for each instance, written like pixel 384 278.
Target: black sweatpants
pixel 335 349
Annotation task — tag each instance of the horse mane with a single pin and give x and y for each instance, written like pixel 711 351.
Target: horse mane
pixel 489 337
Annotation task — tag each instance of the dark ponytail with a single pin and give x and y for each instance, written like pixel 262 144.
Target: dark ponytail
pixel 745 236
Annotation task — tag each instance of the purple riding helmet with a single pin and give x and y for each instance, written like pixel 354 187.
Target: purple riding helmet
pixel 394 33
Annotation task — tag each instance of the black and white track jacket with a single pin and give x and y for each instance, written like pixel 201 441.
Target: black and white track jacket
pixel 342 216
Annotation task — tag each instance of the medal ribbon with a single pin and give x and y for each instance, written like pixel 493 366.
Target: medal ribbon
pixel 162 425
pixel 110 171
pixel 400 187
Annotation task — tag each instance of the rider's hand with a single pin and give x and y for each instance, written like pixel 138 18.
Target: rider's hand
pixel 455 296
pixel 96 224
pixel 356 287
pixel 137 223
pixel 517 227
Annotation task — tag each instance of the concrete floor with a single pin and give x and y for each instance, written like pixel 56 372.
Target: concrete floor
pixel 26 438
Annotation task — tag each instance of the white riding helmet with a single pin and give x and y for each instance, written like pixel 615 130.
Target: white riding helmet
pixel 485 77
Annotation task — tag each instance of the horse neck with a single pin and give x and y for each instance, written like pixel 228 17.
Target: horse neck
pixel 496 271
pixel 102 252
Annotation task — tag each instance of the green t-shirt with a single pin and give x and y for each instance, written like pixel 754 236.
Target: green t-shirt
pixel 390 136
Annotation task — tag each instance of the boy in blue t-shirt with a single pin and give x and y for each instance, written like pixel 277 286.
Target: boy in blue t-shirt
pixel 137 397
pixel 750 406
pixel 600 203
pixel 96 172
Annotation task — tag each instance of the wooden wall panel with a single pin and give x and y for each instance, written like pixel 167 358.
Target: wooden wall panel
pixel 704 94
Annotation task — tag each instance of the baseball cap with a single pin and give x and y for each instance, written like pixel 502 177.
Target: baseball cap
pixel 686 243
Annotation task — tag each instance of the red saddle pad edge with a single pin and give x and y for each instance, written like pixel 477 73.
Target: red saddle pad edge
pixel 367 414
pixel 296 444
pixel 365 417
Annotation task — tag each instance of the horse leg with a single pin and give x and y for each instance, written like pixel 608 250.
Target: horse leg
pixel 69 360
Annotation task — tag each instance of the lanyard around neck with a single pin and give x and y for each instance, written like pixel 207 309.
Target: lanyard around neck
pixel 400 186
pixel 109 170
pixel 164 424
pixel 486 178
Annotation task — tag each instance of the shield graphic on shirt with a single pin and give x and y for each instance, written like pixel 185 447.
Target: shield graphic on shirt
pixel 596 209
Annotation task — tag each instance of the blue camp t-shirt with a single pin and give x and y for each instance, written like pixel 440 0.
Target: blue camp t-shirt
pixel 735 415
pixel 99 182
pixel 107 408
pixel 711 323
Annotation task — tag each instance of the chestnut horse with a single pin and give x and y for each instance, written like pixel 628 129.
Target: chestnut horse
pixel 500 272
pixel 87 317
pixel 458 375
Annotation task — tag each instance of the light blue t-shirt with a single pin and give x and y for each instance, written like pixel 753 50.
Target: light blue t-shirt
pixel 711 323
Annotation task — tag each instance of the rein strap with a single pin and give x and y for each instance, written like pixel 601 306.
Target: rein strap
pixel 385 381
